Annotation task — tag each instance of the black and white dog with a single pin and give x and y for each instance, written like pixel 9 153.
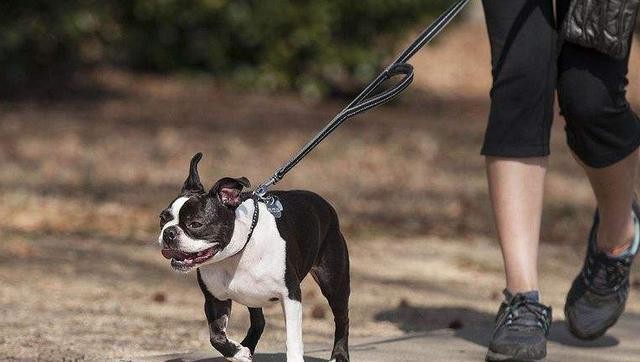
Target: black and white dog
pixel 255 259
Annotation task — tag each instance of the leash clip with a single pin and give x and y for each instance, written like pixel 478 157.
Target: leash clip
pixel 273 204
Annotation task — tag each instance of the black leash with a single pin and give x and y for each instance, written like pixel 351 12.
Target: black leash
pixel 361 103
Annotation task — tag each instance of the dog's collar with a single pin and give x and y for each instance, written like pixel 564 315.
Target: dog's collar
pixel 254 221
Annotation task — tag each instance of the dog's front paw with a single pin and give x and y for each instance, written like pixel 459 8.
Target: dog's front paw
pixel 243 355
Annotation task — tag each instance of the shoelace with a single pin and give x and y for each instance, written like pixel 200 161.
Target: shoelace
pixel 519 310
pixel 604 273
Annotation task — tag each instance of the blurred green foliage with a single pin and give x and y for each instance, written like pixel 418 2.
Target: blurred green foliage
pixel 315 47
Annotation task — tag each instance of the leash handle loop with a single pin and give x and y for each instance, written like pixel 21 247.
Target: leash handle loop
pixel 387 95
pixel 353 109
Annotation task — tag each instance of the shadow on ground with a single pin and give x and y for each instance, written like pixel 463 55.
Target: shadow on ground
pixel 452 333
pixel 476 326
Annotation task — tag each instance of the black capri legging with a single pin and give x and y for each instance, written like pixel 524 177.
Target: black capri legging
pixel 527 67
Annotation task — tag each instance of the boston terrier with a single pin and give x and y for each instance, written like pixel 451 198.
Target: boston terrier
pixel 241 252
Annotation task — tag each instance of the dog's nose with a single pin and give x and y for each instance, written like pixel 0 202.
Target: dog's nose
pixel 169 235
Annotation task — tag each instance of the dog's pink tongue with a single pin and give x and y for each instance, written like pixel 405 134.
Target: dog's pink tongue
pixel 170 253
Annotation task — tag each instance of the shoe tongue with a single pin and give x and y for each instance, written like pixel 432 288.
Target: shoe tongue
pixel 526 316
pixel 532 295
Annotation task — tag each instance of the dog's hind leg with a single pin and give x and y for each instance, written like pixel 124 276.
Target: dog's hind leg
pixel 255 329
pixel 332 275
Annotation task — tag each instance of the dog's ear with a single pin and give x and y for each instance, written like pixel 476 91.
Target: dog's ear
pixel 228 189
pixel 192 184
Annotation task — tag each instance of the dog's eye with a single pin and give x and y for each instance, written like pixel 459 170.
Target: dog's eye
pixel 195 224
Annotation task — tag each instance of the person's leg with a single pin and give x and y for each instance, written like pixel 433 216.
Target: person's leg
pixel 604 134
pixel 516 188
pixel 516 146
pixel 516 142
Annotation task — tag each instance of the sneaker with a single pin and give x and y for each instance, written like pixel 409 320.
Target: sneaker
pixel 599 293
pixel 522 327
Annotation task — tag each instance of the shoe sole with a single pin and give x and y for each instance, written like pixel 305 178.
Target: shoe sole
pixel 499 357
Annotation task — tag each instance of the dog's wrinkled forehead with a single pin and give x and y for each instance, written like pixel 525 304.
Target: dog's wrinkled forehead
pixel 172 213
pixel 181 207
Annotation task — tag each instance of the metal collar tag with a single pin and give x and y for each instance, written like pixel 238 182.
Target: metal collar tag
pixel 273 205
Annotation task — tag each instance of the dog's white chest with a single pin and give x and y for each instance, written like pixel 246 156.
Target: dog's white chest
pixel 255 277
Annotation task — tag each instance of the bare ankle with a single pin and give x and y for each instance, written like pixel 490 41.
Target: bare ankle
pixel 615 242
pixel 617 249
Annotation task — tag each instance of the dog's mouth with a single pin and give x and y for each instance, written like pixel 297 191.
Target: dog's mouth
pixel 184 261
